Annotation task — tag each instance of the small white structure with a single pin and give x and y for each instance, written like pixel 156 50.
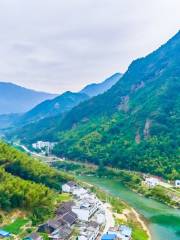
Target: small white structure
pixel 46 146
pixel 125 232
pixel 151 181
pixel 86 207
pixel 177 183
pixel 79 192
pixel 100 218
pixel 69 187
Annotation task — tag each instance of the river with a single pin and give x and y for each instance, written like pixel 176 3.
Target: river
pixel 163 221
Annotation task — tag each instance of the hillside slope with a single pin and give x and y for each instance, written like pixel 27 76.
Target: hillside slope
pixel 43 121
pixel 135 125
pixel 56 106
pixel 16 99
pixel 27 184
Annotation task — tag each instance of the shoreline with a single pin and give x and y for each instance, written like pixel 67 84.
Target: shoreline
pixel 124 215
pixel 142 223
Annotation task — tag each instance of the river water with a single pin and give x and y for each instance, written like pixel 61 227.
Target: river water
pixel 163 221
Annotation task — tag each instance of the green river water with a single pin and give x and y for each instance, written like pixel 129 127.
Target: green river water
pixel 163 221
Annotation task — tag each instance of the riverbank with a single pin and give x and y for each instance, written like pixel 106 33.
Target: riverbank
pixel 119 212
pixel 133 180
pixel 162 221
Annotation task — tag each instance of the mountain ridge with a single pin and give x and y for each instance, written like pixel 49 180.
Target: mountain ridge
pixel 17 99
pixel 134 125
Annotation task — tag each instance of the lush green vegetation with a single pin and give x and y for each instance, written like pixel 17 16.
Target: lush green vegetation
pixel 27 184
pixel 135 125
pixel 15 227
pixel 22 165
pixel 18 193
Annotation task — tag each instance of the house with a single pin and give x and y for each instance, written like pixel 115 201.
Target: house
pixel 122 232
pixel 4 233
pixel 61 233
pixel 125 232
pixel 151 181
pixel 34 236
pixel 69 187
pixel 109 237
pixel 177 183
pixel 50 226
pixel 85 208
pixel 64 208
pixel 79 192
pixel 89 231
pixel 65 214
pixel 100 218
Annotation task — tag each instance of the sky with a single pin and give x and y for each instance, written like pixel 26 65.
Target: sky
pixel 59 45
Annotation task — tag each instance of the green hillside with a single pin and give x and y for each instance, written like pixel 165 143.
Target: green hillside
pixel 53 107
pixel 27 184
pixel 135 125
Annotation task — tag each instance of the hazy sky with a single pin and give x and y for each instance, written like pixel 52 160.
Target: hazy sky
pixel 58 45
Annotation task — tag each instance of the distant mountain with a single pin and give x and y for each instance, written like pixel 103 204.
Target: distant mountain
pixel 42 121
pixel 99 88
pixel 16 99
pixel 54 107
pixel 134 125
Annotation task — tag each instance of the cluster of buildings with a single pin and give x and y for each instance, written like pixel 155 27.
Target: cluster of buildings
pixel 44 147
pixel 154 181
pixel 89 211
pixel 84 218
pixel 122 232
pixel 81 219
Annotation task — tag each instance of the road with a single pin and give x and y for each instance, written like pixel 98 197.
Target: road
pixel 109 217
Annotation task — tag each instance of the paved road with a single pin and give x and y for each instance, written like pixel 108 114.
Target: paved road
pixel 109 217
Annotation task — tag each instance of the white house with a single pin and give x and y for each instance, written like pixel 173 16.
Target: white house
pixel 79 192
pixel 177 183
pixel 100 218
pixel 151 181
pixel 86 208
pixel 123 232
pixel 69 187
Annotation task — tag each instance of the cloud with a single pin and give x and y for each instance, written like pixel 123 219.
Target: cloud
pixel 63 45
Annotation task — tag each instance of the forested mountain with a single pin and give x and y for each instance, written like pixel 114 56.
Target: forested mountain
pixel 27 184
pixel 56 106
pixel 99 88
pixel 42 121
pixel 135 125
pixel 16 99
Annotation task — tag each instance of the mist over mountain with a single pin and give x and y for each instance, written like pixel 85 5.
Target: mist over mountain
pixel 99 88
pixel 17 99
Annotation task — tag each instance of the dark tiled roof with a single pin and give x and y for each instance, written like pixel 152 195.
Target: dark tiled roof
pixel 62 233
pixel 54 224
pixel 70 219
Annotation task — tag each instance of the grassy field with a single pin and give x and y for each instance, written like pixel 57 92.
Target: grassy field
pixel 15 227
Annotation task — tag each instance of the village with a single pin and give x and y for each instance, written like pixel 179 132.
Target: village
pixel 83 218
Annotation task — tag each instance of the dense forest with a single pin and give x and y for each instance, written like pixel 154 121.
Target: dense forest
pixel 135 125
pixel 27 184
